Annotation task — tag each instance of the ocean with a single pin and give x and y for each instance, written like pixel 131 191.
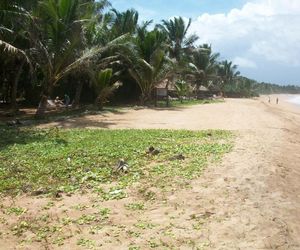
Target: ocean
pixel 294 100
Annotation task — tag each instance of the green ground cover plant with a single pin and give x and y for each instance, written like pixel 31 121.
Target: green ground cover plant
pixel 52 161
pixel 191 102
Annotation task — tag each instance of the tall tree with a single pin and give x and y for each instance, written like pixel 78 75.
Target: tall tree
pixel 124 22
pixel 203 66
pixel 14 41
pixel 59 41
pixel 179 41
pixel 149 63
pixel 227 71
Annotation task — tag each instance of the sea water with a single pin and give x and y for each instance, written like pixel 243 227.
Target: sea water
pixel 295 100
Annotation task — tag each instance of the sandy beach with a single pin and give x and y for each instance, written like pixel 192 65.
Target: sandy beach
pixel 249 201
pixel 255 194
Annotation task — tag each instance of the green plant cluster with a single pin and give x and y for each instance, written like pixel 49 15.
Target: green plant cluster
pixel 51 161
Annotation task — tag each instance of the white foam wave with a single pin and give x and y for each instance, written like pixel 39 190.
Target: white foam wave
pixel 295 100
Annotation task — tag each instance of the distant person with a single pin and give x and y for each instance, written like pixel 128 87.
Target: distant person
pixel 67 100
pixel 277 100
pixel 58 102
pixel 269 100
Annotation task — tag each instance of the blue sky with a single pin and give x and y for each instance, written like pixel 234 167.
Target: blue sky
pixel 163 9
pixel 261 36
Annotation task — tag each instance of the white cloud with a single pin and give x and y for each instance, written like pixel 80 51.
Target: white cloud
pixel 244 62
pixel 262 32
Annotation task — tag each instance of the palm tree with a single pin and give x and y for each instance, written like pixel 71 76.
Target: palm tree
pixel 148 43
pixel 124 22
pixel 105 83
pixel 57 34
pixel 227 71
pixel 148 74
pixel 182 89
pixel 149 63
pixel 59 42
pixel 13 41
pixel 176 31
pixel 203 66
pixel 97 28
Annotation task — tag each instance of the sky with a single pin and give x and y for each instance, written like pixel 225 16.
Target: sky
pixel 261 36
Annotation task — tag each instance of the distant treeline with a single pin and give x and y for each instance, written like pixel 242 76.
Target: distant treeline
pixel 269 88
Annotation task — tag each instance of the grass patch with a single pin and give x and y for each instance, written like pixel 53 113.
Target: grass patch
pixel 178 103
pixel 69 160
pixel 135 206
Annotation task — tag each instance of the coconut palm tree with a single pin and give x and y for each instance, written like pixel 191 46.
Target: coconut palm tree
pixel 97 28
pixel 148 43
pixel 176 31
pixel 13 40
pixel 227 71
pixel 182 89
pixel 203 66
pixel 57 35
pixel 124 22
pixel 148 74
pixel 149 63
pixel 59 42
pixel 105 82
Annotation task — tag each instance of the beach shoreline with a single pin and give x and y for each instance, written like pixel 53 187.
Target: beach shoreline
pixel 284 101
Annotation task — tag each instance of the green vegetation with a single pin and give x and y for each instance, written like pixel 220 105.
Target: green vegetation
pixel 88 53
pixel 188 102
pixel 269 88
pixel 135 206
pixel 16 210
pixel 52 161
pixel 86 243
pixel 144 225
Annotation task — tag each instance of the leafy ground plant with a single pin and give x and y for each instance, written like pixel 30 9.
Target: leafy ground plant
pixel 53 160
pixel 188 102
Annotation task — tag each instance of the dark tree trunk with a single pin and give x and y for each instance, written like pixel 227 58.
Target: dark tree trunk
pixel 76 100
pixel 142 100
pixel 14 88
pixel 145 98
pixel 99 103
pixel 167 87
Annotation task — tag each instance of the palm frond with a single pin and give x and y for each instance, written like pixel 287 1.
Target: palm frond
pixel 9 48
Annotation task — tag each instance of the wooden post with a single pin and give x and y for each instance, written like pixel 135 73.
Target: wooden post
pixel 167 87
pixel 168 101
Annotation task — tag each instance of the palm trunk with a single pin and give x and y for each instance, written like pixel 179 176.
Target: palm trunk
pixel 145 98
pixel 76 101
pixel 142 100
pixel 99 103
pixel 15 89
pixel 167 87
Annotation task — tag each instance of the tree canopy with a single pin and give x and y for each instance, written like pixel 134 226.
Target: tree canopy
pixel 82 48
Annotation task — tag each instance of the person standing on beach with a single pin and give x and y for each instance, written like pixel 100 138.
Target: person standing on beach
pixel 277 100
pixel 269 99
